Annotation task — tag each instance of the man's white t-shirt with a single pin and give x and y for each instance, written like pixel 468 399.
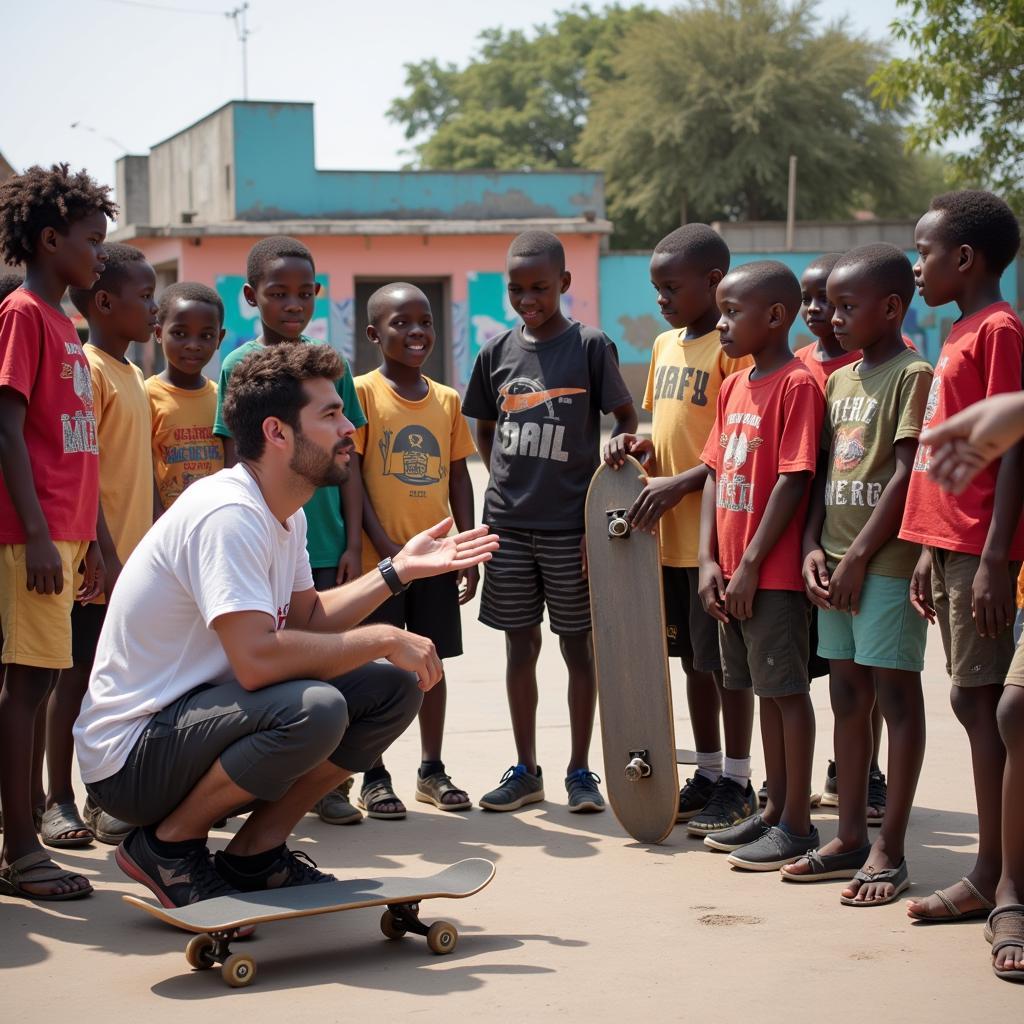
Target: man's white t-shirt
pixel 218 549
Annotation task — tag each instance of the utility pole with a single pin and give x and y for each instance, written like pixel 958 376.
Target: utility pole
pixel 237 15
pixel 791 205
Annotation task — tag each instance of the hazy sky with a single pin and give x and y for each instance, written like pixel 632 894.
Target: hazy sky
pixel 132 75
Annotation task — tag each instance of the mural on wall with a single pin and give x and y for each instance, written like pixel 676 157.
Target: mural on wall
pixel 242 321
pixel 462 363
pixel 629 312
pixel 343 327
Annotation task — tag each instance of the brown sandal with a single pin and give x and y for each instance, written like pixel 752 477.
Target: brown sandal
pixel 1006 928
pixel 34 868
pixel 953 912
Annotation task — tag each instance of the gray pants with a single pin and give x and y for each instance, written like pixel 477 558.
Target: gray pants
pixel 265 739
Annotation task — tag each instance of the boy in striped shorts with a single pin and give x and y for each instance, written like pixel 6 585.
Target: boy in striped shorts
pixel 538 392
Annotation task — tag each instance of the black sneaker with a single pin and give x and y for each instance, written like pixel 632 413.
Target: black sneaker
pixel 762 794
pixel 830 794
pixel 174 881
pixel 730 803
pixel 291 868
pixel 694 796
pixel 775 848
pixel 584 796
pixel 516 788
pixel 877 793
pixel 746 832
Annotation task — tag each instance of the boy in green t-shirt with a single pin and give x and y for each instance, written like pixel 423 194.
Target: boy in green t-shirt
pixel 281 283
pixel 857 570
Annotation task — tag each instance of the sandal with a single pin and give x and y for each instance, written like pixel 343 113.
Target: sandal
pixel 57 824
pixel 1005 926
pixel 34 868
pixel 953 912
pixel 432 789
pixel 376 794
pixel 898 877
pixel 825 866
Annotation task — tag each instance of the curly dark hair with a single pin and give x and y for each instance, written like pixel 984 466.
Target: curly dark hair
pixel 42 198
pixel 269 250
pixel 268 382
pixel 981 220
pixel 10 281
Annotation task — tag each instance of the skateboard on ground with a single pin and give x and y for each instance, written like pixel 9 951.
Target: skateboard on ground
pixel 633 686
pixel 216 921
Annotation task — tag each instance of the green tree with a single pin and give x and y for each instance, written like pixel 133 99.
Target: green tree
pixel 708 102
pixel 521 102
pixel 968 72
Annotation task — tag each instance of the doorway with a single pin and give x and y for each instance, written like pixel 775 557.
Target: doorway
pixel 367 357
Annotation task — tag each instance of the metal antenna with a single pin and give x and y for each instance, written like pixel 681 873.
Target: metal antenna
pixel 237 15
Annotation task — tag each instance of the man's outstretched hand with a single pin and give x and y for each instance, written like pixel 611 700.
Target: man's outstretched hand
pixel 433 552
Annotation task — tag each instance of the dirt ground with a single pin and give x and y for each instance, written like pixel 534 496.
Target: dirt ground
pixel 580 922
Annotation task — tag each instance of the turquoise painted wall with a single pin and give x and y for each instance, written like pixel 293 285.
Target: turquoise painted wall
pixel 276 179
pixel 629 313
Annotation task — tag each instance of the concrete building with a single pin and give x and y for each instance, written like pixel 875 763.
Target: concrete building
pixel 200 199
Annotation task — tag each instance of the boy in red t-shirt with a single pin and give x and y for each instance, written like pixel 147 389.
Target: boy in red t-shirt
pixel 973 541
pixel 55 223
pixel 761 456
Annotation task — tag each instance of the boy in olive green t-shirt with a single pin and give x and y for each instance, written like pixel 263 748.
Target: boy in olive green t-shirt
pixel 857 570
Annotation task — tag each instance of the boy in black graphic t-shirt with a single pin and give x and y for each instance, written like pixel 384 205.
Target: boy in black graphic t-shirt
pixel 537 392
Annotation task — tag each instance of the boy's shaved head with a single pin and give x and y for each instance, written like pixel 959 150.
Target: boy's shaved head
pixel 825 263
pixel 188 291
pixel 538 243
pixel 119 259
pixel 885 266
pixel 382 301
pixel 269 250
pixel 698 244
pixel 771 280
pixel 981 220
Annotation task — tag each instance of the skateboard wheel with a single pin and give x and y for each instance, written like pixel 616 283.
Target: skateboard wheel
pixel 637 769
pixel 197 952
pixel 391 927
pixel 442 937
pixel 238 970
pixel 618 526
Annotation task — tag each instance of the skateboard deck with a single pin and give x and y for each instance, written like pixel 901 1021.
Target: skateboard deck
pixel 633 687
pixel 216 922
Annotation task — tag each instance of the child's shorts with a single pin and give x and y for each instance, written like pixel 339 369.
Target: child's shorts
pixel 770 650
pixel 885 633
pixel 533 568
pixel 86 626
pixel 429 607
pixel 971 660
pixel 1015 676
pixel 691 634
pixel 37 627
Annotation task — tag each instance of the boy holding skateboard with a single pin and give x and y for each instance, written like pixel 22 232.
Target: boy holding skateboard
pixel 412 453
pixel 761 456
pixel 857 571
pixel 688 367
pixel 540 389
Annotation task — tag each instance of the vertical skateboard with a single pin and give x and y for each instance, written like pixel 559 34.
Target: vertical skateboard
pixel 633 686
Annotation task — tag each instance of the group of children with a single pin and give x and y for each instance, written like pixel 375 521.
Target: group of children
pixel 797 516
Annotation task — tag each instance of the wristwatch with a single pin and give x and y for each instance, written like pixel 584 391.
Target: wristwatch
pixel 390 574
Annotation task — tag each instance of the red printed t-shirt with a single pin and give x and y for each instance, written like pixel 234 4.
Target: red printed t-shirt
pixel 42 359
pixel 763 428
pixel 981 357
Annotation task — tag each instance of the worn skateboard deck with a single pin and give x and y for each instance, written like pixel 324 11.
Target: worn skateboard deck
pixel 217 921
pixel 633 687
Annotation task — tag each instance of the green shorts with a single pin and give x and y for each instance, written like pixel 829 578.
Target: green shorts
pixel 885 633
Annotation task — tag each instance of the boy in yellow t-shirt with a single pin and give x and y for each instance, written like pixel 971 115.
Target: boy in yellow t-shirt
pixel 183 401
pixel 412 453
pixel 119 309
pixel 687 370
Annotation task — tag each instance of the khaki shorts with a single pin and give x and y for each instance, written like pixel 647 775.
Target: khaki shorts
pixel 1015 676
pixel 971 660
pixel 769 650
pixel 37 627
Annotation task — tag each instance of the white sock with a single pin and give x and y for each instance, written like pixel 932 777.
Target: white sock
pixel 709 765
pixel 737 769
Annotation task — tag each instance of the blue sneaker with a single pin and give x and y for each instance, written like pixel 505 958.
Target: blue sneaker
pixel 517 787
pixel 584 796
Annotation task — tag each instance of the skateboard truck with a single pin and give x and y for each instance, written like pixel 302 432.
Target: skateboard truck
pixel 639 765
pixel 618 524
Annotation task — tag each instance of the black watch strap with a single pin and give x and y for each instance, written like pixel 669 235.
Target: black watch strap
pixel 387 570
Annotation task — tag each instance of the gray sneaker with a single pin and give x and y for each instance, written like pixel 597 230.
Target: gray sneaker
pixel 775 848
pixel 584 796
pixel 738 836
pixel 335 808
pixel 517 787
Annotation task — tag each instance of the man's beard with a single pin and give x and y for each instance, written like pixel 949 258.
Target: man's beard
pixel 317 466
